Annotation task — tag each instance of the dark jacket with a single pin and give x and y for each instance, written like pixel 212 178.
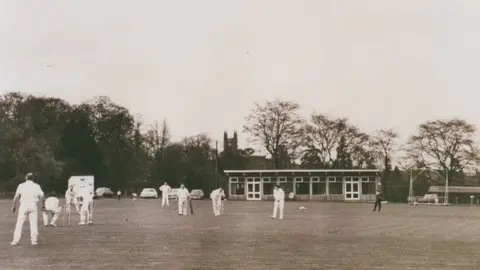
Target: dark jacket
pixel 379 197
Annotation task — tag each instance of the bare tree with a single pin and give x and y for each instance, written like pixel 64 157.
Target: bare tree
pixel 444 145
pixel 384 142
pixel 325 137
pixel 358 146
pixel 322 136
pixel 276 125
pixel 383 146
pixel 157 137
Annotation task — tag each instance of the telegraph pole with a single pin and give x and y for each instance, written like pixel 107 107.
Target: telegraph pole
pixel 216 163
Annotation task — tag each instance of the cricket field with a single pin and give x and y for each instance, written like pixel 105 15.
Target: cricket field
pixel 141 235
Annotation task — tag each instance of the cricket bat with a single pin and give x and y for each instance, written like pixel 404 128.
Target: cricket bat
pixel 191 206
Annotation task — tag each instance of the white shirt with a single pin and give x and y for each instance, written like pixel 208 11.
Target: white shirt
pixel 279 194
pixel 165 189
pixel 183 193
pixel 70 196
pixel 29 192
pixel 217 194
pixel 51 203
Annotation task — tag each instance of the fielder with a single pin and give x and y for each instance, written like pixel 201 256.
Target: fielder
pixel 216 196
pixel 28 194
pixel 378 202
pixel 71 199
pixel 279 196
pixel 86 209
pixel 51 206
pixel 165 189
pixel 183 196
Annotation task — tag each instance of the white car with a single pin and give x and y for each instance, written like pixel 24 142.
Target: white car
pixel 173 193
pixel 197 194
pixel 149 193
pixel 103 192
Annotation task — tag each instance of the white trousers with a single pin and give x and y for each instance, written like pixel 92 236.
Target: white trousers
pixel 182 206
pixel 217 205
pixel 86 212
pixel 278 206
pixel 55 213
pixel 29 210
pixel 165 200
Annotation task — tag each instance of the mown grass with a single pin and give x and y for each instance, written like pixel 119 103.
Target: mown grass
pixel 141 235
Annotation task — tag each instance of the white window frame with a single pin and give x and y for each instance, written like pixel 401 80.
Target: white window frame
pixel 282 179
pixel 331 179
pixel 315 179
pixel 250 179
pixel 233 179
pixel 266 180
pixel 298 179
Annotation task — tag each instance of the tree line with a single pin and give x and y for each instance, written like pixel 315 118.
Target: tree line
pixel 55 139
pixel 327 142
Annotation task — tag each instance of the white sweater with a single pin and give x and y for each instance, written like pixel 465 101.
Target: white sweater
pixel 279 194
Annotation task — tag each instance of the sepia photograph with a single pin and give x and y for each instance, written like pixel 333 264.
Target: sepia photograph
pixel 239 134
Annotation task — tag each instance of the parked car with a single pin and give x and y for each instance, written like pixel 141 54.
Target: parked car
pixel 197 194
pixel 149 193
pixel 173 193
pixel 427 198
pixel 103 192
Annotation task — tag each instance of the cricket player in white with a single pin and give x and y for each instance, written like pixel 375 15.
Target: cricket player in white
pixel 165 189
pixel 86 208
pixel 52 205
pixel 279 196
pixel 183 196
pixel 216 197
pixel 28 193
pixel 71 198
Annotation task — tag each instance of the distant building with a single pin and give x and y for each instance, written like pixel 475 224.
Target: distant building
pixel 254 162
pixel 322 185
pixel 230 145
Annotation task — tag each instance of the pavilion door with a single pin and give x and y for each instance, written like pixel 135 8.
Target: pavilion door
pixel 254 192
pixel 352 191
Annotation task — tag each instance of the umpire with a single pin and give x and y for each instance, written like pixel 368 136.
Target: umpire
pixel 378 202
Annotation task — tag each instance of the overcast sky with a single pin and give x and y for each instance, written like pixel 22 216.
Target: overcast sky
pixel 202 63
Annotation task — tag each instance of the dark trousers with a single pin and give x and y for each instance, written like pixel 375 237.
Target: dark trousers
pixel 118 197
pixel 379 204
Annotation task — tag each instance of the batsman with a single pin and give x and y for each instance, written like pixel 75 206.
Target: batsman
pixel 71 199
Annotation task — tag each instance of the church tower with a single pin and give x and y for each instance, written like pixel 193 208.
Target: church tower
pixel 230 145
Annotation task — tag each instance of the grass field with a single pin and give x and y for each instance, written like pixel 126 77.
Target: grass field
pixel 141 235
